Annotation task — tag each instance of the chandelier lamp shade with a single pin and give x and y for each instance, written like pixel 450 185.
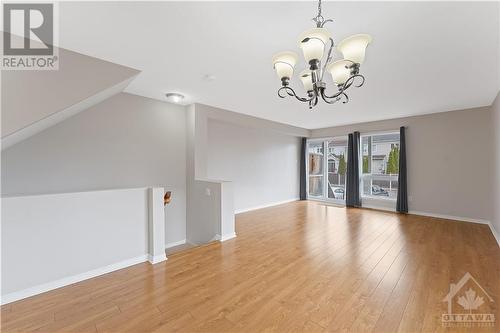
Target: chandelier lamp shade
pixel 313 43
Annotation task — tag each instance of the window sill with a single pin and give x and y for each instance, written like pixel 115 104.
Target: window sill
pixel 332 202
pixel 381 198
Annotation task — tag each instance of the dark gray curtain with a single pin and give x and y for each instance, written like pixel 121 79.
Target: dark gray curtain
pixel 352 183
pixel 303 190
pixel 402 201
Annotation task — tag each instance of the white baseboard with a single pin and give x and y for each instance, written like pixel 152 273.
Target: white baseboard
pixel 449 217
pixel 495 233
pixel 225 237
pixel 463 219
pixel 443 216
pixel 15 296
pixel 276 203
pixel 157 259
pixel 169 245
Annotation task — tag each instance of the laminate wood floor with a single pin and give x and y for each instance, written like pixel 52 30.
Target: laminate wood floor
pixel 297 267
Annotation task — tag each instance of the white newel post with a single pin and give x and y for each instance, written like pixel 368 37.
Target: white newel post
pixel 227 229
pixel 156 225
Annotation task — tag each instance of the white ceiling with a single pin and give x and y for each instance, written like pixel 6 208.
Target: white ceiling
pixel 425 57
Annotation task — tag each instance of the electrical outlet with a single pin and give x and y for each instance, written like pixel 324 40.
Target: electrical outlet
pixel 208 192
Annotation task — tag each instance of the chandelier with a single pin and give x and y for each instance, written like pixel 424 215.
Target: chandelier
pixel 344 71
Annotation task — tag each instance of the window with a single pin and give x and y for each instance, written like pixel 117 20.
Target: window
pixel 327 173
pixel 337 168
pixel 315 163
pixel 380 166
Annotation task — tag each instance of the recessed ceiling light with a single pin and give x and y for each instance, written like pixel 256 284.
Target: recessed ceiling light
pixel 209 77
pixel 174 97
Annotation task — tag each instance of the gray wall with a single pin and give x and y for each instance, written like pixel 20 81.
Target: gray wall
pixel 125 141
pixel 449 160
pixel 262 164
pixel 495 203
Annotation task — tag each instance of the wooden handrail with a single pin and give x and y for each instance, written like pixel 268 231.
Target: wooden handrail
pixel 167 198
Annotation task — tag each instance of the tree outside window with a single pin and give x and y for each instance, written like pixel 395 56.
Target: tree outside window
pixel 393 161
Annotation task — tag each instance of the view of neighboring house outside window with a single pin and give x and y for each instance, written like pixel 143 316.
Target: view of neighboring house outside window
pixel 380 165
pixel 315 164
pixel 337 168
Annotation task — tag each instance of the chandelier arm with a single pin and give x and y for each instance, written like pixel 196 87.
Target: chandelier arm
pixel 337 97
pixel 316 99
pixel 350 81
pixel 347 84
pixel 313 101
pixel 290 92
pixel 362 80
pixel 286 90
pixel 330 99
pixel 328 58
pixel 346 98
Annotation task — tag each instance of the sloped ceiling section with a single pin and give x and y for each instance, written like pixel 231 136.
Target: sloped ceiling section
pixel 35 100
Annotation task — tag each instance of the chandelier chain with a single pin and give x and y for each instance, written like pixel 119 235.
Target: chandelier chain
pixel 319 19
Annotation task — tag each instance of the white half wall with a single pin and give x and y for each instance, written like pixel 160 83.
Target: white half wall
pixel 49 241
pixel 124 142
pixel 262 164
pixel 227 228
